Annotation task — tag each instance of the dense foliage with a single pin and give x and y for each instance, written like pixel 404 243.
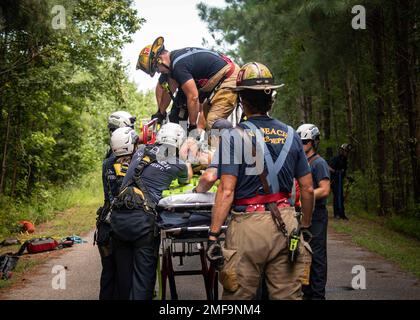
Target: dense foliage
pixel 359 86
pixel 57 87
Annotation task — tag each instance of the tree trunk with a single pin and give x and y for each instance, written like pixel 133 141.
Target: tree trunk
pixel 4 161
pixel 15 160
pixel 302 107
pixel 378 53
pixel 349 105
pixel 402 11
pixel 326 113
pixel 305 104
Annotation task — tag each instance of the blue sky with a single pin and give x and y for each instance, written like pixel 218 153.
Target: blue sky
pixel 176 20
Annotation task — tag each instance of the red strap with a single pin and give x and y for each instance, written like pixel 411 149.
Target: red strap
pixel 262 199
pixel 231 64
pixel 231 70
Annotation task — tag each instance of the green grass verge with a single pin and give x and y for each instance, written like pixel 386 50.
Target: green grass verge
pixel 71 212
pixel 377 236
pixel 45 206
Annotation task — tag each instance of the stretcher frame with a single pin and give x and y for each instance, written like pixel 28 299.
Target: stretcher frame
pixel 187 236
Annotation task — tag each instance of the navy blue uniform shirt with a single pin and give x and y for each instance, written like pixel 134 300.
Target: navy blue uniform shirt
pixel 109 178
pixel 195 63
pixel 158 175
pixel 339 163
pixel 320 171
pixel 275 133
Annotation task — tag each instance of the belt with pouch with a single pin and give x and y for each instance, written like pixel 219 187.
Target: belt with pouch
pixel 132 198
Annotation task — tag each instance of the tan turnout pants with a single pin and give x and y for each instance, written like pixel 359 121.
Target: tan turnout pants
pixel 253 245
pixel 223 101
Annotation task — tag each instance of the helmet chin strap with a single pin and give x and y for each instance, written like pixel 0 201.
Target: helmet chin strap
pixel 166 66
pixel 160 61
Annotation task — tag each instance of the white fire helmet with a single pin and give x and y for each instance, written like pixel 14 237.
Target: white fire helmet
pixel 123 141
pixel 308 131
pixel 171 134
pixel 120 119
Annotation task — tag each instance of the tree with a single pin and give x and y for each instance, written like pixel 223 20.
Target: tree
pixel 358 86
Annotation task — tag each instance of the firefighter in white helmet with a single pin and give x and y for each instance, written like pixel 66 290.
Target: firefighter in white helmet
pixel 123 143
pixel 135 237
pixel 310 136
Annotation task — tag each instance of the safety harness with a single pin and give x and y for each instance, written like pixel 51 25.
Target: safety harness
pixel 205 91
pixel 104 211
pixel 136 195
pixel 313 157
pixel 270 184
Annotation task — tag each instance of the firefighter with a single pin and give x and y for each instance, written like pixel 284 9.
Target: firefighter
pixel 111 181
pixel 262 220
pixel 119 119
pixel 135 235
pixel 203 75
pixel 338 168
pixel 310 136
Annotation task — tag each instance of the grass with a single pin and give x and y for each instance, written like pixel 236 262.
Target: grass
pixel 73 212
pixel 380 236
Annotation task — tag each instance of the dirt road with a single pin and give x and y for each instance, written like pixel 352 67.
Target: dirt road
pixel 384 280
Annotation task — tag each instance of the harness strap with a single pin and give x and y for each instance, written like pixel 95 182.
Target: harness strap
pixel 191 52
pixel 313 157
pixel 137 196
pixel 148 158
pixel 262 199
pixel 272 206
pixel 273 167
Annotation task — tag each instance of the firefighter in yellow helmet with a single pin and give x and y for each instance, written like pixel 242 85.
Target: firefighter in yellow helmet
pixel 264 235
pixel 203 75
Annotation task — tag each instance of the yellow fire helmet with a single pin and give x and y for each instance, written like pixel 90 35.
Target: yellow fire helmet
pixel 255 76
pixel 147 61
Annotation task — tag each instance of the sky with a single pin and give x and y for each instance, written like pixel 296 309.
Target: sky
pixel 177 21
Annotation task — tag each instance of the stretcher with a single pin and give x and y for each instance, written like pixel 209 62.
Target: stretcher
pixel 184 232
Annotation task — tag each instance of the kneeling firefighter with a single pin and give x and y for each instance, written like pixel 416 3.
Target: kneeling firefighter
pixel 263 231
pixel 135 237
pixel 113 170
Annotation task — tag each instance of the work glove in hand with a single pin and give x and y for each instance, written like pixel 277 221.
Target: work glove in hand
pixel 159 116
pixel 214 254
pixel 307 235
pixel 191 127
